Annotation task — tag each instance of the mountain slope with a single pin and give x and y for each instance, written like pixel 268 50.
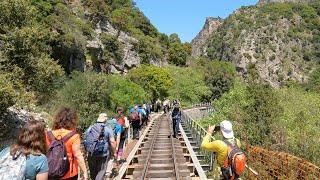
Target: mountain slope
pixel 274 43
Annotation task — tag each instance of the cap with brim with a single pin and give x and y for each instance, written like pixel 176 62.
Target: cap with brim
pixel 226 129
pixel 102 117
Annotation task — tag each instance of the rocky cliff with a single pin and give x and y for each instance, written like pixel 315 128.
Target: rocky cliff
pixel 199 41
pixel 274 43
pixel 108 37
pixel 11 123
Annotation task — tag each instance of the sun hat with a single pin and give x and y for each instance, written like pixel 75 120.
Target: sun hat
pixel 102 117
pixel 226 129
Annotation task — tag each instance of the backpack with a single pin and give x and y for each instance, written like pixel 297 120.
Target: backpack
pixel 121 122
pixel 112 125
pixel 58 161
pixel 13 167
pixel 95 142
pixel 176 114
pixel 143 113
pixel 234 164
pixel 134 116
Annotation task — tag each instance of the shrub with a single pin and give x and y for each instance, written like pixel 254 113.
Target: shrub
pixel 88 94
pixel 194 88
pixel 156 81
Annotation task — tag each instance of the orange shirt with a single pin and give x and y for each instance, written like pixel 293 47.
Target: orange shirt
pixel 74 140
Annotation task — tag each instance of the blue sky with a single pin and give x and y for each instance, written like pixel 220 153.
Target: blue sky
pixel 187 17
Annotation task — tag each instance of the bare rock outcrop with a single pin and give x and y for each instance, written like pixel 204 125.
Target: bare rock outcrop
pixel 11 123
pixel 199 41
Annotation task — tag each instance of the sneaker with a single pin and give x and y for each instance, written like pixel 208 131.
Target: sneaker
pixel 107 176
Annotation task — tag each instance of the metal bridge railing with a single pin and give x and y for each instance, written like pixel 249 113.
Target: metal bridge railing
pixel 198 133
pixel 203 104
pixel 278 165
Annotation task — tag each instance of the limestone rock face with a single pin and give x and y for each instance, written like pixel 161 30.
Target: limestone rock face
pixel 131 57
pixel 199 41
pixel 11 123
pixel 264 46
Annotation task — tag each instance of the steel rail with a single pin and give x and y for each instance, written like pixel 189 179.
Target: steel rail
pixel 175 162
pixel 146 164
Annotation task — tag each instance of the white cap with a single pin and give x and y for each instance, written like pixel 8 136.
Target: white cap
pixel 226 129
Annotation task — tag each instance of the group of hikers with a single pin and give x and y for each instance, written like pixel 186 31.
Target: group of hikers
pixel 41 154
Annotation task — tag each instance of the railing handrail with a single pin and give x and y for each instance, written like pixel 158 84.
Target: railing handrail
pixel 197 124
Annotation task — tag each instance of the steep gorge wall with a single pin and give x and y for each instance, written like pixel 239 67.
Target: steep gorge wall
pixel 199 41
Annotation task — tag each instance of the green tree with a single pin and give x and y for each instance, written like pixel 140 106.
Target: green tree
pixel 124 92
pixel 122 19
pixel 178 52
pixel 88 94
pixel 194 88
pixel 263 112
pixel 156 81
pixel 220 76
pixel 174 38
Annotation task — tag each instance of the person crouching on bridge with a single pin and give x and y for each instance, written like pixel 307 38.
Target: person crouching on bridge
pixel 221 148
pixel 176 118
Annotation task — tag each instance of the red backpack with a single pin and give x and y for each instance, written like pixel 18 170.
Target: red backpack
pixel 234 164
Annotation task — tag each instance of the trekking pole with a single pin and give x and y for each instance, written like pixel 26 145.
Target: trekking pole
pixel 252 170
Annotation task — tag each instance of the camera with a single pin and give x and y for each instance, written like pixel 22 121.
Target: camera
pixel 217 128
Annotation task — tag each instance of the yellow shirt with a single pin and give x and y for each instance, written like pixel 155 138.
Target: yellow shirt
pixel 217 146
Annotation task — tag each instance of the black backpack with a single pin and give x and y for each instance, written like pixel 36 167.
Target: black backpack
pixel 58 161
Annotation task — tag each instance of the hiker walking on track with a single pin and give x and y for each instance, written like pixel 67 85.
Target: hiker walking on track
pixel 135 118
pixel 97 141
pixel 230 157
pixel 26 159
pixel 123 122
pixel 176 119
pixel 64 139
pixel 158 105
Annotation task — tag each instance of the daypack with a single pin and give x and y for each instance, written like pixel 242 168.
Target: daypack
pixel 176 114
pixel 58 161
pixel 112 125
pixel 234 164
pixel 134 116
pixel 13 167
pixel 121 122
pixel 95 142
pixel 143 113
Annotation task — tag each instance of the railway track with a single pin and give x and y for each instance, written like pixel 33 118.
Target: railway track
pixel 159 156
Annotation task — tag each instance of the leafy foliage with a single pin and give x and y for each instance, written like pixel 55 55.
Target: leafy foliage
pixel 300 121
pixel 156 81
pixel 91 94
pixel 178 52
pixel 194 88
pixel 25 52
pixel 124 93
pixel 314 80
pixel 219 75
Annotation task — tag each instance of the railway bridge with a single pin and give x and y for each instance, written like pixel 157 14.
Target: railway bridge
pixel 157 155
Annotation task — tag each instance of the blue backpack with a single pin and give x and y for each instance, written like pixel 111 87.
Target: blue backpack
pixel 95 141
